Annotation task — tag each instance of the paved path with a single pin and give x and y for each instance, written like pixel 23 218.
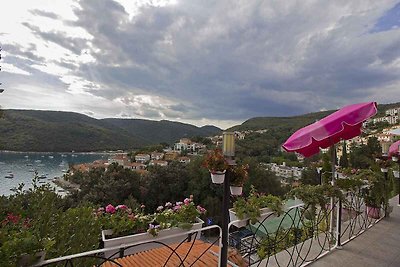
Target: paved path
pixel 377 247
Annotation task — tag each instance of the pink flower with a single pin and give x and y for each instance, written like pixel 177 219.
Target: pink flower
pixel 168 204
pixel 110 209
pixel 142 206
pixel 160 208
pixel 177 207
pixel 186 201
pixel 201 209
pixel 121 207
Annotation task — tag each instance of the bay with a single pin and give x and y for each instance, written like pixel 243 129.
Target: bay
pixel 22 166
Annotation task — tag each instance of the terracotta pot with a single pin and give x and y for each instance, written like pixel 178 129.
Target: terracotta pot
pixel 373 212
pixel 236 190
pixel 218 177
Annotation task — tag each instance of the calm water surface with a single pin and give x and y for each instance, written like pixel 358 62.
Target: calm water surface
pixel 21 165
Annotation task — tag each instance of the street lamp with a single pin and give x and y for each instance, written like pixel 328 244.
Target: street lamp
pixel 228 150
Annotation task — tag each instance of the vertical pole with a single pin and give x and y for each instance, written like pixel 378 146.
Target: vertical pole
pixel 225 221
pixel 386 194
pixel 339 224
pixel 333 153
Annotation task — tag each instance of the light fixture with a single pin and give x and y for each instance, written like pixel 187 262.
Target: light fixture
pixel 228 148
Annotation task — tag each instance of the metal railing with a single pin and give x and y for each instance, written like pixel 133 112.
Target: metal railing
pixel 298 237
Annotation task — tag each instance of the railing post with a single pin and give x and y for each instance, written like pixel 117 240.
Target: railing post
pixel 339 224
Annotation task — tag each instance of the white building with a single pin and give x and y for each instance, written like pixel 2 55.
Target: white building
pixel 157 156
pixel 142 158
pixel 161 163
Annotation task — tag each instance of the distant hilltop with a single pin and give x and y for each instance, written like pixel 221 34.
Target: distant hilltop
pixel 35 130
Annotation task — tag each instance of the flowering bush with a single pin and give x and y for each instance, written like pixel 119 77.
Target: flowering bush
pixel 182 214
pixel 240 174
pixel 123 221
pixel 18 237
pixel 215 161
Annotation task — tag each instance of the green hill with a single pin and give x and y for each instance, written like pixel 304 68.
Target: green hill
pixel 162 131
pixel 295 122
pixel 35 130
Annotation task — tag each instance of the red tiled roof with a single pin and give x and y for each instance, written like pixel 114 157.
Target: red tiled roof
pixel 192 256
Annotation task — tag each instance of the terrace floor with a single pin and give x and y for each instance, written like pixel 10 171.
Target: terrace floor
pixel 379 246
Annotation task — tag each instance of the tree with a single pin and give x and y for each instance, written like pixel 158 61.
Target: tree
pixel 310 176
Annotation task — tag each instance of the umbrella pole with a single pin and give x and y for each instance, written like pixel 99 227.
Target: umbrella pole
pixel 331 219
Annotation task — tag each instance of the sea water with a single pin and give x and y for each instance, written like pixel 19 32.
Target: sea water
pixel 22 166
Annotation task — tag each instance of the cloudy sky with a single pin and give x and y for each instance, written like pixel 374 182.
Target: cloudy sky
pixel 198 61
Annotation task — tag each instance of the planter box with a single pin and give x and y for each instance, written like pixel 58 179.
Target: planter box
pixel 29 260
pixel 265 212
pixel 142 237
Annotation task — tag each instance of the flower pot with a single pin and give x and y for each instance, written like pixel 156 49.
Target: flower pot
pixel 218 177
pixel 384 170
pixel 236 190
pixel 29 260
pixel 396 174
pixel 373 212
pixel 143 237
pixel 265 212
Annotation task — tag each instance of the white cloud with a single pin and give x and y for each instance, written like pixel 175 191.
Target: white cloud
pixel 202 61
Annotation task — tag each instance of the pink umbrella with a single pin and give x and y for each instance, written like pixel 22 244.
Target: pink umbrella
pixel 394 149
pixel 341 125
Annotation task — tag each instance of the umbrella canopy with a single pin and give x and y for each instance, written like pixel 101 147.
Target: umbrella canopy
pixel 343 124
pixel 394 148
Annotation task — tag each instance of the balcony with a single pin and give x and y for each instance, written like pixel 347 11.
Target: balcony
pixel 344 233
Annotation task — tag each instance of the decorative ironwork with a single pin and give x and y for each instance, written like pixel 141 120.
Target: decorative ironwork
pixel 188 258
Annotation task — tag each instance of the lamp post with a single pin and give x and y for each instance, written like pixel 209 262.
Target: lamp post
pixel 228 150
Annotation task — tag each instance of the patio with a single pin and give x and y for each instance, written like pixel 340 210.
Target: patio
pixel 379 246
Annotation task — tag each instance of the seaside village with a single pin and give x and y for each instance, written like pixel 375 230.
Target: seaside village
pixel 184 150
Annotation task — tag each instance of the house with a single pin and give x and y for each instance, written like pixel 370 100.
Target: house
pixel 120 158
pixel 142 158
pixel 157 156
pixel 161 163
pixel 186 144
pixel 184 159
pixel 172 155
pixel 135 166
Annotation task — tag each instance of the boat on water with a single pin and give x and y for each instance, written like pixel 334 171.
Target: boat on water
pixel 26 156
pixel 63 155
pixel 42 182
pixel 64 171
pixel 38 161
pixel 43 176
pixel 9 176
pixel 51 157
pixel 41 165
pixel 29 164
pixel 32 170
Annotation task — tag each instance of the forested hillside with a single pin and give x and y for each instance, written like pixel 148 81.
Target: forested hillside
pixel 34 130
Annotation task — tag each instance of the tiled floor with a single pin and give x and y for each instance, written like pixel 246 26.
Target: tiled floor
pixel 377 247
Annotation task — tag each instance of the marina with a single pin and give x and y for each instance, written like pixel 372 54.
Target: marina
pixel 20 167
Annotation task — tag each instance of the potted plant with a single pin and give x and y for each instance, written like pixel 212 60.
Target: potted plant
pixel 315 197
pixel 125 226
pixel 240 174
pixel 374 194
pixel 384 164
pixel 256 207
pixel 217 165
